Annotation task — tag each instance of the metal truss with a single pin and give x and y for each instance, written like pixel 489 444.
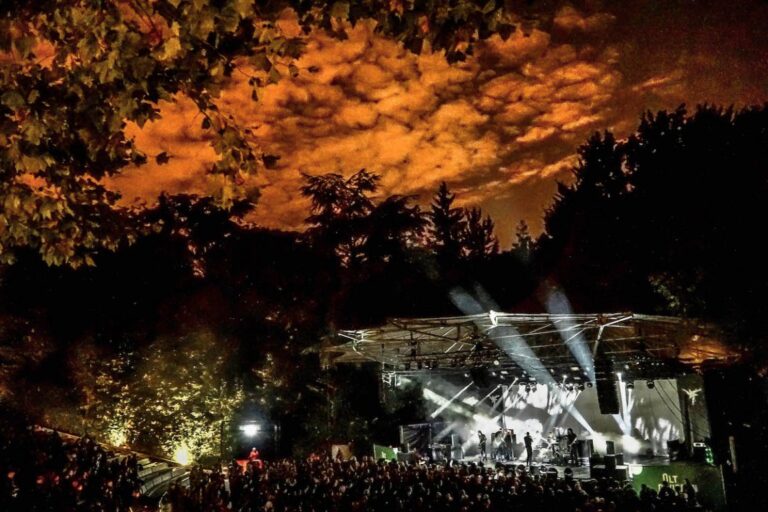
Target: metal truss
pixel 523 344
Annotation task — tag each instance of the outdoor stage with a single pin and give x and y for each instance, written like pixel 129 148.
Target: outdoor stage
pixel 628 386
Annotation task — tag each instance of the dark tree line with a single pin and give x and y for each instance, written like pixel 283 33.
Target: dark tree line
pixel 666 221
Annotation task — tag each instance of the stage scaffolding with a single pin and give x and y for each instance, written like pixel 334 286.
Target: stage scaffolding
pixel 527 346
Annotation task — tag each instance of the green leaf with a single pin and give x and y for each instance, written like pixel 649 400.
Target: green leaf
pixel 340 10
pixel 12 99
pixel 489 6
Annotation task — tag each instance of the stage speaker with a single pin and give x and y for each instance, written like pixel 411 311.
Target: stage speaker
pixel 480 377
pixel 621 473
pixel 597 471
pixel 610 463
pixel 608 396
pixel 606 383
pixel 610 448
pixel 675 450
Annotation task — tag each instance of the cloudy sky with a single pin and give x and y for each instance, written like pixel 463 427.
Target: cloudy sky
pixel 500 128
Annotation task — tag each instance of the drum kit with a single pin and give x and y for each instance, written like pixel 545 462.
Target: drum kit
pixel 553 449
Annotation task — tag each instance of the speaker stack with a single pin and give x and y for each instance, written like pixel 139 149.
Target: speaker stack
pixel 607 384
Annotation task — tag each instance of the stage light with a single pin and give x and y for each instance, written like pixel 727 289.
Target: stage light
pixel 581 387
pixel 651 384
pixel 589 384
pixel 496 362
pixel 630 385
pixel 249 429
pixel 466 375
pixel 182 455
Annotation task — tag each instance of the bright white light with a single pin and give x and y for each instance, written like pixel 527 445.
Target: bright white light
pixel 182 455
pixel 250 429
pixel 630 444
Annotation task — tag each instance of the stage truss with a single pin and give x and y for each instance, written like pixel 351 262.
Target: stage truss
pixel 526 345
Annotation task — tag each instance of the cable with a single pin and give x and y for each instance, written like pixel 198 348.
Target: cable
pixel 679 415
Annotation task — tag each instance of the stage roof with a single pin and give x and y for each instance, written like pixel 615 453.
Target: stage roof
pixel 536 346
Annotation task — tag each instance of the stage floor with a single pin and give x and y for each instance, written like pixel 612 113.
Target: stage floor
pixel 579 472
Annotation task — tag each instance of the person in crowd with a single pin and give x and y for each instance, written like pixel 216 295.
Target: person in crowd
pixel 39 472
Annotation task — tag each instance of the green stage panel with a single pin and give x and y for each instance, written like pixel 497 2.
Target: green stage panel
pixel 708 481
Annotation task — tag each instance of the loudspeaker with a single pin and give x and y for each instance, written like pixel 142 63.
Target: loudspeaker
pixel 675 450
pixel 479 377
pixel 610 448
pixel 606 383
pixel 610 462
pixel 621 473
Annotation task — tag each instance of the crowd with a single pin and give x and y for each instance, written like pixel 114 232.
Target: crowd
pixel 368 485
pixel 40 472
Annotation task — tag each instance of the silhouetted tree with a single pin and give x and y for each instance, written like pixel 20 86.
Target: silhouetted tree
pixel 478 240
pixel 522 247
pixel 340 210
pixel 447 224
pixel 665 221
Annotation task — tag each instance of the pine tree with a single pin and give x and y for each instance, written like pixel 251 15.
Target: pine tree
pixel 523 245
pixel 479 242
pixel 447 225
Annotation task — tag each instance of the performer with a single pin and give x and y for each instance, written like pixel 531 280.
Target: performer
pixel 509 454
pixel 573 455
pixel 483 454
pixel 528 440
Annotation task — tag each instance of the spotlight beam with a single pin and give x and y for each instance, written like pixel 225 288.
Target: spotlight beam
pixel 450 401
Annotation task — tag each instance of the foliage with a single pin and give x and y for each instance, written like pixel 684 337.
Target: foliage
pixel 347 223
pixel 664 220
pixel 176 393
pixel 447 224
pixel 74 75
pixel 478 238
pixel 523 245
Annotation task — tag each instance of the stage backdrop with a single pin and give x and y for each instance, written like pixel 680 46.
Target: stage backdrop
pixel 650 415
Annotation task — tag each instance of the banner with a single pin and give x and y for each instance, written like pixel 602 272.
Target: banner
pixel 707 480
pixel 384 452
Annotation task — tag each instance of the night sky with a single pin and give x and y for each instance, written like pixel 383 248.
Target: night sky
pixel 500 128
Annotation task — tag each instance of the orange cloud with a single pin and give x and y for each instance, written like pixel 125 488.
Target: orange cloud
pixel 416 120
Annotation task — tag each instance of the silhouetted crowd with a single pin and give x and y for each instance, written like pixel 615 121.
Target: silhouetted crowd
pixel 39 472
pixel 367 485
